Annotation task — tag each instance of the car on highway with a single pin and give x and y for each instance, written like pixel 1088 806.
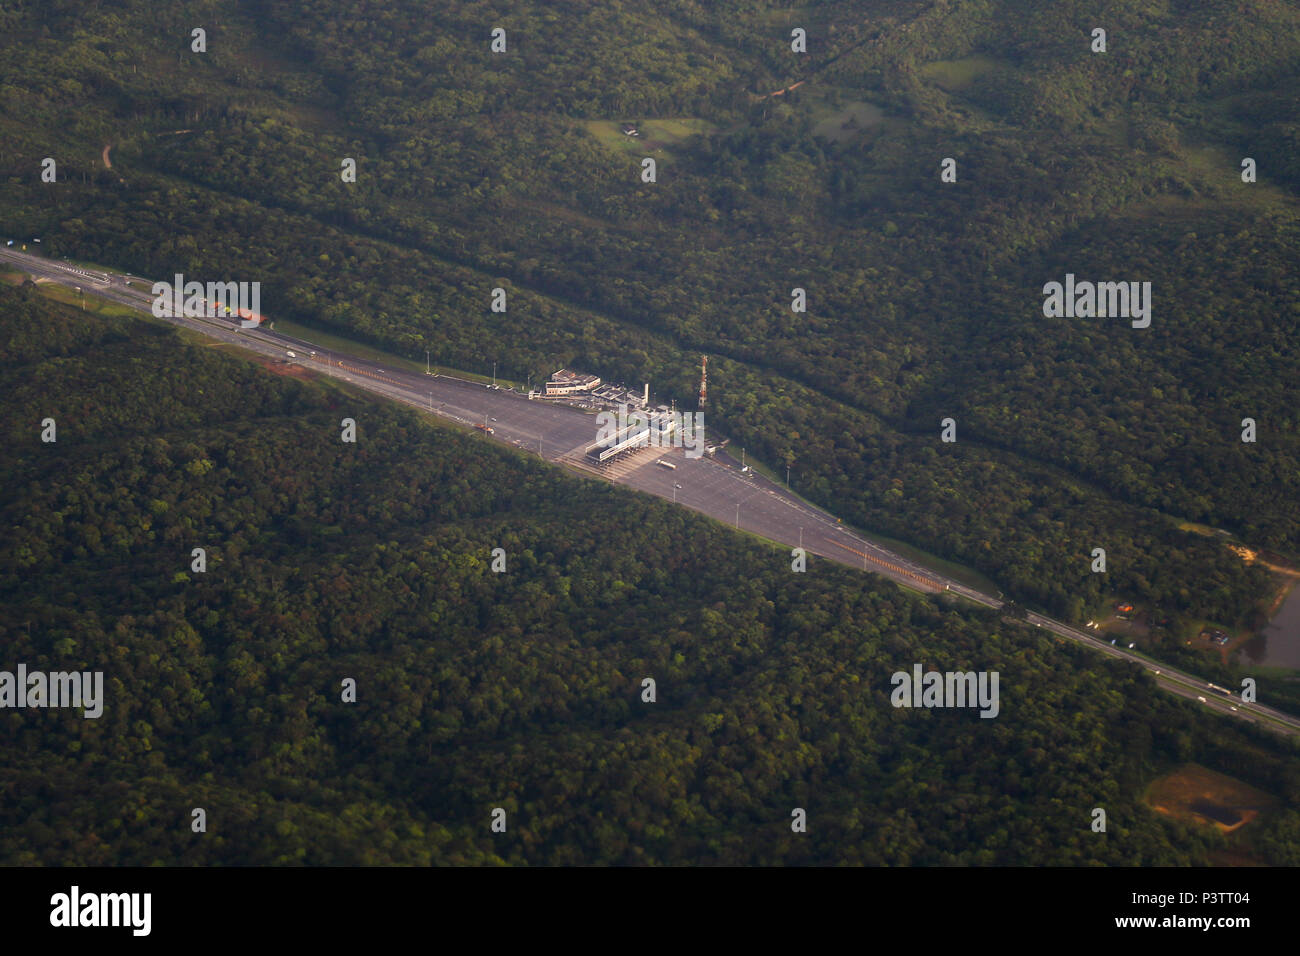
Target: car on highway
pixel 1201 699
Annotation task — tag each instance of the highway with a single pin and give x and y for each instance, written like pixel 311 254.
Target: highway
pixel 715 486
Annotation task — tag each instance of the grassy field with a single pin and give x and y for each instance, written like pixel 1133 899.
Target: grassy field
pixel 957 75
pixel 94 304
pixel 655 133
pixel 1203 529
pixel 848 121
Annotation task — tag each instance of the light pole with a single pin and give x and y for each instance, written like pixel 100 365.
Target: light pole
pixel 787 477
pixel 428 369
pixel 494 374
pixel 737 515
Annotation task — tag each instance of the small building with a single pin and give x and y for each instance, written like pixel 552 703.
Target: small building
pixel 565 382
pixel 629 129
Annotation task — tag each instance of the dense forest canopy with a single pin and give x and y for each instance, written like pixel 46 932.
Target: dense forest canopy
pixel 776 170
pixel 479 169
pixel 520 690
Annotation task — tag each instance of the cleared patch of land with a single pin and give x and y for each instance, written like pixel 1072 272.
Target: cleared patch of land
pixel 93 304
pixel 848 121
pixel 651 134
pixel 957 75
pixel 1196 794
pixel 286 368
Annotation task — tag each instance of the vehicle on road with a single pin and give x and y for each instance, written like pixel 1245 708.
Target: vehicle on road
pixel 666 464
pixel 1201 699
pixel 486 428
pixel 290 354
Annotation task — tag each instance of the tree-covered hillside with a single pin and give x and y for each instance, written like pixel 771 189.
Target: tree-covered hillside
pixel 478 170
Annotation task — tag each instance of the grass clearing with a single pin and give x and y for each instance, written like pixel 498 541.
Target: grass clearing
pixel 848 121
pixel 654 134
pixel 94 304
pixel 1203 529
pixel 954 76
